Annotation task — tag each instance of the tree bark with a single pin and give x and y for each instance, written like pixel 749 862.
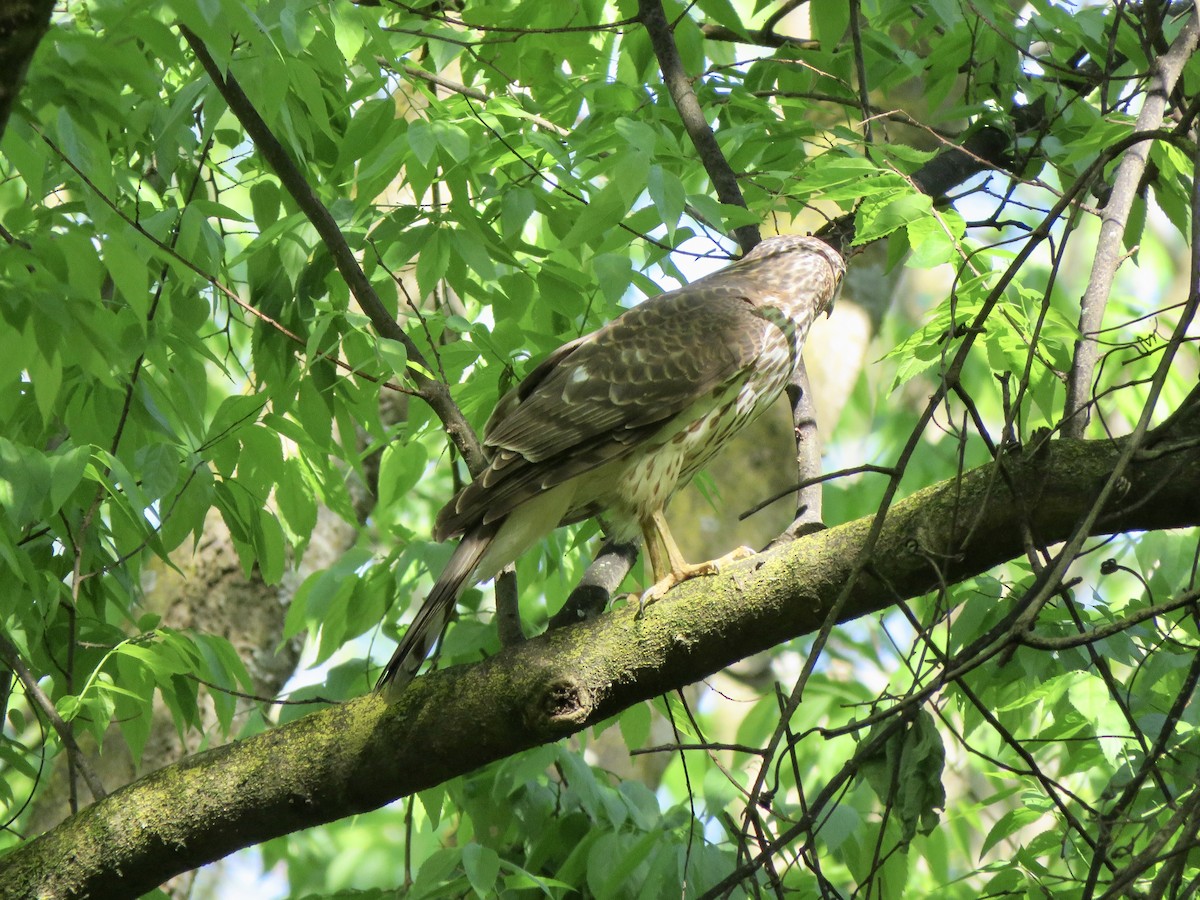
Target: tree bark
pixel 22 25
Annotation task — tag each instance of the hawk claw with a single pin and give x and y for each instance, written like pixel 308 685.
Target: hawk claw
pixel 686 572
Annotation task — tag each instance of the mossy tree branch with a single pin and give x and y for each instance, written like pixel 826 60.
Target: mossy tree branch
pixel 363 754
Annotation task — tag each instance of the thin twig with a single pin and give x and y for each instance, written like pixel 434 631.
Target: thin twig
pixel 860 71
pixel 819 479
pixel 466 91
pixel 12 658
pixel 707 748
pixel 1104 631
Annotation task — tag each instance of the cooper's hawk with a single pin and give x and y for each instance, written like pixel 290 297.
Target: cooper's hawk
pixel 613 423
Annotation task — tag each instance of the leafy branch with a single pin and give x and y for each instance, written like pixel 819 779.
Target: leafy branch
pixel 432 391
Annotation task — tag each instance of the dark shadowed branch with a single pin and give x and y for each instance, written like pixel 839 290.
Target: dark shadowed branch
pixel 22 25
pixel 692 115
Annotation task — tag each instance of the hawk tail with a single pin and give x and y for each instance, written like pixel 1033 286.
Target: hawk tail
pixel 431 618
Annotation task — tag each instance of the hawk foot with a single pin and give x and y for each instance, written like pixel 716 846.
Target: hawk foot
pixel 684 573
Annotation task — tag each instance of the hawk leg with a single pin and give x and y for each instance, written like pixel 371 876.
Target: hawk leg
pixel 667 565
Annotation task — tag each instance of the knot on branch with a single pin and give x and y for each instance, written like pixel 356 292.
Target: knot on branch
pixel 565 704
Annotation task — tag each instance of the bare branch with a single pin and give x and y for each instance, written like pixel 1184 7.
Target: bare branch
pixel 808 455
pixel 760 36
pixel 692 115
pixel 1109 253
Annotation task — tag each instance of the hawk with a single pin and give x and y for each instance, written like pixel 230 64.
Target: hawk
pixel 613 423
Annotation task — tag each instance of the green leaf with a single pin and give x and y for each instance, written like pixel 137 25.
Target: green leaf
pixel 614 272
pixel 400 469
pixel 127 268
pixel 830 19
pixel 433 262
pixel 25 480
pixel 422 141
pixel 158 465
pixel 270 546
pixel 394 354
pixel 603 211
pixel 879 217
pixel 432 801
pixel 722 11
pixel 349 32
pixel 296 499
pixel 452 139
pixel 934 239
pixel 234 413
pixel 67 467
pixel 324 591
pixel 516 208
pixel 635 725
pixel 906 775
pixel 1009 824
pixel 667 192
pixel 482 866
pixel 436 871
pixel 475 253
pixel 46 373
pixel 215 210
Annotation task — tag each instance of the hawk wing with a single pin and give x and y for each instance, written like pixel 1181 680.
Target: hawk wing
pixel 595 399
